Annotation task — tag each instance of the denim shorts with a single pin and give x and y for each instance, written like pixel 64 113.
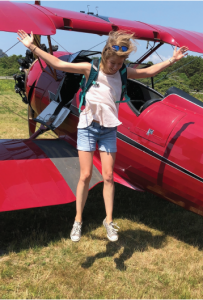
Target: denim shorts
pixel 105 137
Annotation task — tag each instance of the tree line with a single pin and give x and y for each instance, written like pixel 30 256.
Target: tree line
pixel 186 74
pixel 9 65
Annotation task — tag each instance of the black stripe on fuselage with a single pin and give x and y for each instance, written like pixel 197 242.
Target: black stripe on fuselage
pixel 133 143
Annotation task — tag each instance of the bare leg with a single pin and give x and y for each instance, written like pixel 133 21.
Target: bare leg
pixel 108 160
pixel 86 164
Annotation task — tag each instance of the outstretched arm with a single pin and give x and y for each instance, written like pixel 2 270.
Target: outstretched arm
pixel 27 41
pixel 155 69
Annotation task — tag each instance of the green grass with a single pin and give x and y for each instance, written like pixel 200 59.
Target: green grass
pixel 198 96
pixel 158 254
pixel 13 117
pixel 7 86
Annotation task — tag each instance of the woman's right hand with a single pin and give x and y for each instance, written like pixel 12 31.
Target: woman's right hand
pixel 25 39
pixel 51 60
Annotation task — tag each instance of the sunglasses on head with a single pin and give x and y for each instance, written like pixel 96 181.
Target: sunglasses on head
pixel 123 48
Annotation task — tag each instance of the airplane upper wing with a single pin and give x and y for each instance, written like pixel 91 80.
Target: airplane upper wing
pixel 44 21
pixel 15 16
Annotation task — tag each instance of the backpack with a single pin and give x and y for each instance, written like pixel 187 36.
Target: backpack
pixel 92 81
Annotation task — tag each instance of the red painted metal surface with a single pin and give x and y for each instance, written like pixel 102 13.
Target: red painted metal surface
pixel 28 178
pixel 15 16
pixel 183 105
pixel 45 21
pixel 183 148
pixel 193 40
pixel 162 123
pixel 69 20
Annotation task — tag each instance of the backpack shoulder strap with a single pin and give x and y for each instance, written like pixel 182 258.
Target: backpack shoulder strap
pixel 91 80
pixel 93 73
pixel 123 73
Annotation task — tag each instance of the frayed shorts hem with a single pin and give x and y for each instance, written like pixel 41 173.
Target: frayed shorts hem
pixel 114 150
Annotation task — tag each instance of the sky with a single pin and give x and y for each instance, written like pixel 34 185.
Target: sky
pixel 177 14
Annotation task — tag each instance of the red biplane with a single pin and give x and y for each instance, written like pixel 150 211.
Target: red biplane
pixel 159 142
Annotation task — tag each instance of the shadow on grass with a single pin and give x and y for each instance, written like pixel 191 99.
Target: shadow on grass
pixel 39 227
pixel 131 241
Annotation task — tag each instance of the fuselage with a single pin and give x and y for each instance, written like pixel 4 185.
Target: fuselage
pixel 159 149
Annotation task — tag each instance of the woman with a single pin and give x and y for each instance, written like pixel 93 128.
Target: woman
pixel 99 120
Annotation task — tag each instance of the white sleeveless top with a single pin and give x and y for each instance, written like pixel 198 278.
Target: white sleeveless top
pixel 100 101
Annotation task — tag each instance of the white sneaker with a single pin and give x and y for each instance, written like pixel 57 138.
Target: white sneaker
pixel 112 234
pixel 75 234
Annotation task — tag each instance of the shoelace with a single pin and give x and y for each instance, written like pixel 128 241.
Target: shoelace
pixel 77 228
pixel 112 229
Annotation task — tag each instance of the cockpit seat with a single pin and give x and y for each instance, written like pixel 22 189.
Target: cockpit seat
pixel 148 103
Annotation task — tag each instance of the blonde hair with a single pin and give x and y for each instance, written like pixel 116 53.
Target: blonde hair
pixel 119 38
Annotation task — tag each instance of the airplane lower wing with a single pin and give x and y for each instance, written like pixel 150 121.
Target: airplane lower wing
pixel 38 173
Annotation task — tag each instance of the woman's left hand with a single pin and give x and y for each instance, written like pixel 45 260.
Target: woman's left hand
pixel 180 53
pixel 157 68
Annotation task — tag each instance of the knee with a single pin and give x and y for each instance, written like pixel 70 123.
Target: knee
pixel 108 177
pixel 85 177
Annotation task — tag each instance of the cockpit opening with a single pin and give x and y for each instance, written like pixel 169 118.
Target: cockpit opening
pixel 72 81
pixel 141 96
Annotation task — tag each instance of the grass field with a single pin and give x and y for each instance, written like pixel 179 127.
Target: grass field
pixel 158 254
pixel 13 114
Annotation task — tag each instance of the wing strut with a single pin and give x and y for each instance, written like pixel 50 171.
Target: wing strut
pixel 147 54
pixel 37 43
pixel 51 52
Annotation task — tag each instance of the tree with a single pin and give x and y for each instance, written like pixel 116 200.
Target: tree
pixel 196 82
pixel 164 85
pixel 150 63
pixel 2 54
pixel 9 65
